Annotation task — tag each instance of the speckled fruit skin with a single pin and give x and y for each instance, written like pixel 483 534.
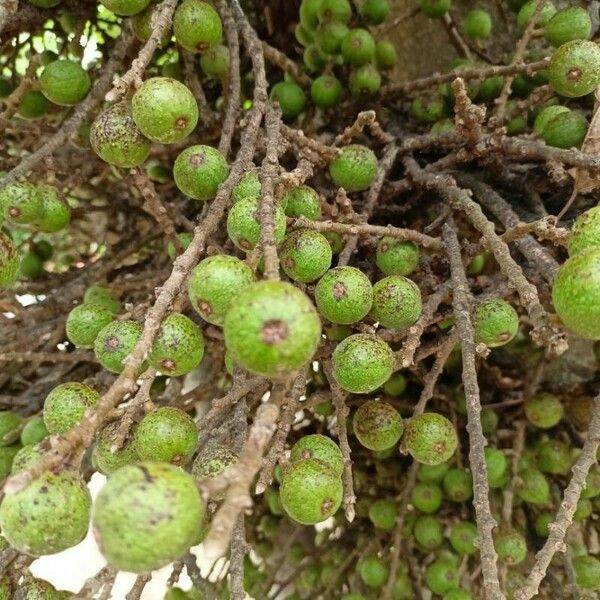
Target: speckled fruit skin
pixel 66 404
pixel 574 68
pixel 510 545
pixel 377 425
pixel 495 322
pixel 441 576
pixel 543 410
pixel 102 296
pixel 344 295
pixel 291 98
pixel 6 588
pixel 358 47
pixel 199 170
pixel 247 187
pixel 115 342
pixel 146 516
pixel 9 261
pixel 34 431
pixel 396 302
pixel 302 201
pixel 554 457
pixel 576 293
pixel 396 257
pixel 56 213
pixel 179 346
pixel 533 487
pixel 373 571
pixel 215 61
pixel 585 233
pixel 462 537
pixel 210 463
pixel 39 589
pixel 587 572
pixel 382 513
pixel 65 82
pixel 310 491
pixel 319 447
pixel 430 438
pixel 305 255
pixel 573 23
pixel 141 24
pixel 9 422
pixel 165 110
pixel 326 91
pixel 51 514
pixel 526 13
pixel 435 9
pixel 116 139
pixel 26 457
pixel 362 363
pixel 458 485
pixel 166 434
pixel 354 169
pixel 21 203
pixel 104 459
pixel 215 283
pixel 272 329
pixel 197 25
pixel 125 8
pixel 243 224
pixel 85 322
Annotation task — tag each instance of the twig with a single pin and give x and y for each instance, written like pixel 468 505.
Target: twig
pixel 135 593
pixel 278 58
pixel 236 560
pixel 461 303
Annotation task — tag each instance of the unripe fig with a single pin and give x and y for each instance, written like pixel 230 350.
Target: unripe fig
pixel 107 460
pixel 115 342
pixel 305 255
pixel 125 8
pixel 302 201
pixel 66 404
pixel 574 68
pixel 354 169
pixel 291 98
pixel 84 323
pixel 495 322
pixel 397 257
pixel 319 447
pixel 197 25
pixel 199 170
pixel 430 438
pixel 377 425
pixel 65 82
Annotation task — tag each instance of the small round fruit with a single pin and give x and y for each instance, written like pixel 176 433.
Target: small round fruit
pixel 106 459
pixel 215 283
pixel 477 24
pixel 364 80
pixel 302 201
pixel 374 12
pixel 165 110
pixel 34 431
pixel 199 170
pixel 344 295
pixel 215 61
pixel 56 212
pixel 430 438
pixel 426 497
pixel 544 410
pixel 568 24
pixel 314 60
pixel 51 514
pixel 10 424
pixel 310 491
pixel 533 487
pixel 185 239
pixel 386 56
pixel 65 82
pixel 592 483
pixel 326 91
pixel 428 532
pixel 585 232
pixel 291 98
pixel 102 296
pixel 587 572
pixel 243 224
pixel 377 425
pixel 125 8
pixel 197 25
pixel 432 473
pixel 309 14
pixel 305 255
pixel 527 11
pixel 272 328
pixel 495 322
pixel 141 23
pixel 26 457
pixel 382 513
pixel 66 404
pixel 574 68
pixel 458 485
pixel 9 261
pixel 178 347
pixel 33 105
pixel 510 545
pixel 554 457
pixel 146 516
pixel 320 447
pixel 397 257
pixel 31 266
pixel 115 342
pixel 441 576
pixel 576 293
pixel 7 456
pixel 166 434
pixel 21 203
pixel 116 139
pixel 334 10
pixel 354 169
pixel 358 47
pixel 212 461
pixel 373 571
pixel 546 115
pixel 247 187
pixel 329 36
pixel 565 130
pixel 396 302
pixel 395 385
pixel 84 323
pixel 435 9
pixel 497 467
pixel 462 537
pixel 362 363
